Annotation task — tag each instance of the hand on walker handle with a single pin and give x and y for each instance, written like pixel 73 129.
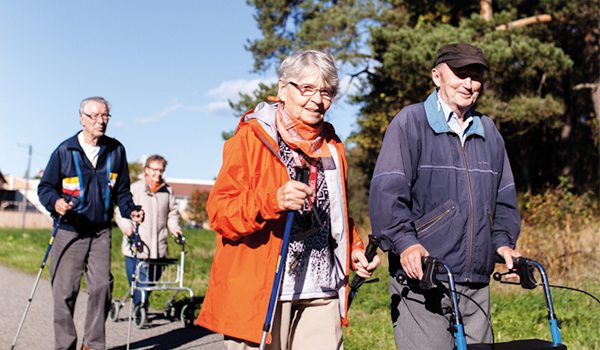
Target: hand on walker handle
pixel 411 261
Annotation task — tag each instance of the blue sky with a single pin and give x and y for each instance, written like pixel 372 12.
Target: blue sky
pixel 167 67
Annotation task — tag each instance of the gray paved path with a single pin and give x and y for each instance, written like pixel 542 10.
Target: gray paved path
pixel 37 331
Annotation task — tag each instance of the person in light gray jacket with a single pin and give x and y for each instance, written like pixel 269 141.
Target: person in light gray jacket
pixel 162 215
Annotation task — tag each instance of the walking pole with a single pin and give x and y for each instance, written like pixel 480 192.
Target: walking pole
pixel 302 177
pixel 277 280
pixel 37 279
pixel 133 276
pixel 358 281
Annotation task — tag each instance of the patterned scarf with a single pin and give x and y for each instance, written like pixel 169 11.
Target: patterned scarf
pixel 298 135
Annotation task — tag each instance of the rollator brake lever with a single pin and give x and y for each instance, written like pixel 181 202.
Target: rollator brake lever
pixel 521 266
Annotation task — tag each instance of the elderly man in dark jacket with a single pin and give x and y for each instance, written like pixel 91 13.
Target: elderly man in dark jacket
pixel 90 169
pixel 443 187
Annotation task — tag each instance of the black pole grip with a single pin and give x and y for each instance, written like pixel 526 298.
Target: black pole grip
pixel 370 253
pixel 303 174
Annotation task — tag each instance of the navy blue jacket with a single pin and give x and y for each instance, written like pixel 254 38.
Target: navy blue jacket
pixel 458 201
pixel 69 172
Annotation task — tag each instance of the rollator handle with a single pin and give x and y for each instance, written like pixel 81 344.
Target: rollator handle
pixel 429 272
pixel 523 267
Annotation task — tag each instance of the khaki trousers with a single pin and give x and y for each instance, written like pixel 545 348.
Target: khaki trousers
pixel 301 324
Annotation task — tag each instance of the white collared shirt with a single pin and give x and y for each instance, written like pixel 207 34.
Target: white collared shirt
pixel 454 122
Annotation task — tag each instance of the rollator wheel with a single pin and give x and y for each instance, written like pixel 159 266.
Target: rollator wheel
pixel 139 316
pixel 115 307
pixel 187 315
pixel 169 310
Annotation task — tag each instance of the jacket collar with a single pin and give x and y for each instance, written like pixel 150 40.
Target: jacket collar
pixel 73 143
pixel 265 114
pixel 437 120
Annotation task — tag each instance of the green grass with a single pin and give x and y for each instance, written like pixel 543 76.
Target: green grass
pixel 516 313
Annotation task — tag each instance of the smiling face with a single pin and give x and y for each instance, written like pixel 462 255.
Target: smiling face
pixel 458 87
pixel 155 170
pixel 309 109
pixel 94 125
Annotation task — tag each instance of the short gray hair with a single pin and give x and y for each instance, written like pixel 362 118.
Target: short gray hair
pixel 156 158
pixel 299 64
pixel 95 99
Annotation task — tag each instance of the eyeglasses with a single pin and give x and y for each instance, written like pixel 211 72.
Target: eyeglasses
pixel 105 117
pixel 160 170
pixel 309 90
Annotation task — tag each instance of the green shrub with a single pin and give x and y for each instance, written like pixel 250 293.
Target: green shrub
pixel 558 228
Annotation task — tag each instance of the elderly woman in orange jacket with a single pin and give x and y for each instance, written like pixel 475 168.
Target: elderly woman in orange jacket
pixel 248 207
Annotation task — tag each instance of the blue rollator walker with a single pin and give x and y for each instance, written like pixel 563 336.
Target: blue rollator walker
pixel 524 269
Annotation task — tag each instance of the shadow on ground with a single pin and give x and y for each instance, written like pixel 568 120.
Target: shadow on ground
pixel 170 340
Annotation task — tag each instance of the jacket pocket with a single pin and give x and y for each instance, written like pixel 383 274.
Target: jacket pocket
pixel 432 221
pixel 491 217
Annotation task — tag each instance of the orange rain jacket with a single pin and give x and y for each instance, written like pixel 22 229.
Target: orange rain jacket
pixel 244 212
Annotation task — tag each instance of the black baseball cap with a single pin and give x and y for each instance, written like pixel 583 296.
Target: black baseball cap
pixel 460 55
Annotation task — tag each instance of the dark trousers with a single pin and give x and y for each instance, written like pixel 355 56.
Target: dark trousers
pixel 74 253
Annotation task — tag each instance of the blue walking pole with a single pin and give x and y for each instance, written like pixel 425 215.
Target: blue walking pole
pixel 133 276
pixel 37 279
pixel 277 280
pixel 302 176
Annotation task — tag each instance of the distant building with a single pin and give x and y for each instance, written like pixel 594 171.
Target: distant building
pixel 12 191
pixel 183 189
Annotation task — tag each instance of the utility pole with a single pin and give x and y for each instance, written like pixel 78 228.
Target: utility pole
pixel 24 205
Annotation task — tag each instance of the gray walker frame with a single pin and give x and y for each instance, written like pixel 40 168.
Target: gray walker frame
pixel 171 278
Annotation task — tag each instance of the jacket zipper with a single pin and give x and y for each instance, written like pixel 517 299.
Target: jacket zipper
pixel 426 226
pixel 471 217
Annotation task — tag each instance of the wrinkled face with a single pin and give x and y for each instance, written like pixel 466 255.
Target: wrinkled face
pixel 94 120
pixel 155 171
pixel 309 109
pixel 458 87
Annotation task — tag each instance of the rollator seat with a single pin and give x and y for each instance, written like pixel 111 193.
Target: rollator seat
pixel 531 344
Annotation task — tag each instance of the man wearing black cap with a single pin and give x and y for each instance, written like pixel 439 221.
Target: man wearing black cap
pixel 443 187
